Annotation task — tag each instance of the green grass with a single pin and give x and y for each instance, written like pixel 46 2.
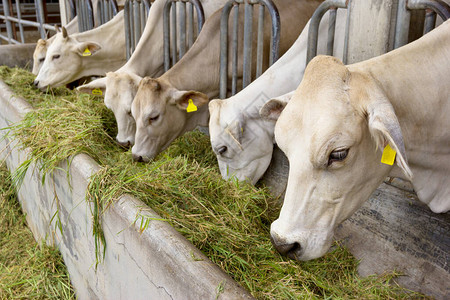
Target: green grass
pixel 27 270
pixel 228 221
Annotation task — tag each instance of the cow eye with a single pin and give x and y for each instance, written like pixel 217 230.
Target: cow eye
pixel 337 155
pixel 153 119
pixel 41 59
pixel 222 150
pixel 56 56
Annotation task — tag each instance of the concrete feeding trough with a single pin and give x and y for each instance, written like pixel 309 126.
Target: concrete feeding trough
pixel 392 231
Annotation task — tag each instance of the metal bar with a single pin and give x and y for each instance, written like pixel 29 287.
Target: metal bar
pixel 6 11
pixel 143 16
pixel 79 19
pixel 90 14
pixel 137 25
pixel 224 49
pixel 126 23
pixel 73 11
pixel 331 30
pixel 166 34
pixel 133 42
pixel 234 50
pixel 29 23
pixel 10 41
pixel 314 25
pixel 147 6
pixel 190 24
pixel 40 15
pixel 11 13
pixel 430 21
pixel 259 45
pixel 248 33
pixel 114 7
pixel 19 16
pixel 276 29
pixel 182 12
pixel 173 27
pixel 200 14
pixel 438 6
pixel 402 24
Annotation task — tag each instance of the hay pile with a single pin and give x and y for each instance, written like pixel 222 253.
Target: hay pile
pixel 228 221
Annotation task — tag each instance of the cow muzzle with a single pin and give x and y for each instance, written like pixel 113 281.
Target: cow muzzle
pixel 292 250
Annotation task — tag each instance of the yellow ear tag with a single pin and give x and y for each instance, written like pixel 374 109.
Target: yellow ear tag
pixel 388 156
pixel 191 106
pixel 97 92
pixel 87 52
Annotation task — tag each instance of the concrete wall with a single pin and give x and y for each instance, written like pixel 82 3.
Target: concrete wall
pixel 17 55
pixel 155 264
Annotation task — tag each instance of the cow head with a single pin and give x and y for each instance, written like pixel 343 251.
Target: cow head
pixel 119 89
pixel 39 55
pixel 333 132
pixel 64 61
pixel 241 139
pixel 161 114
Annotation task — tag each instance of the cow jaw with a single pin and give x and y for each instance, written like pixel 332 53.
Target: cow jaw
pixel 121 89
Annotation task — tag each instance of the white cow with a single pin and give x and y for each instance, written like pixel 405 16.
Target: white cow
pixel 89 53
pixel 71 27
pixel 161 106
pixel 336 128
pixel 120 87
pixel 42 45
pixel 240 138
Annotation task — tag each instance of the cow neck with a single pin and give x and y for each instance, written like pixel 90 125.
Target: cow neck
pixel 147 59
pixel 111 47
pixel 406 75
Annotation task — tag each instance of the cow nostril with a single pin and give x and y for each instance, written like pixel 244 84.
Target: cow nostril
pixel 138 158
pixel 291 250
pixel 36 83
pixel 125 145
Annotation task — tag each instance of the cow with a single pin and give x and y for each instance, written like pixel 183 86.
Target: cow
pixel 119 87
pixel 240 138
pixel 89 53
pixel 161 106
pixel 71 27
pixel 347 127
pixel 42 45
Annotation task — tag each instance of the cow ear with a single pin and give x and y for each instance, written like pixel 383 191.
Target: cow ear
pixel 96 87
pixel 385 129
pixel 272 109
pixel 183 99
pixel 88 48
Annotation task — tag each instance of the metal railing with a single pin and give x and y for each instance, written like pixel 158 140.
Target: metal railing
pixel 135 14
pixel 186 28
pixel 247 43
pixel 11 20
pixel 313 33
pixel 85 14
pixel 432 7
pixel 106 10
